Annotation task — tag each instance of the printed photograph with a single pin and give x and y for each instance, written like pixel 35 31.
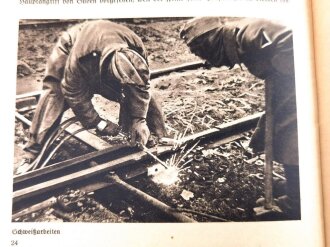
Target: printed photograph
pixel 152 120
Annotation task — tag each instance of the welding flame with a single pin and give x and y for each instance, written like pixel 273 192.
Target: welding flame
pixel 175 166
pixel 166 176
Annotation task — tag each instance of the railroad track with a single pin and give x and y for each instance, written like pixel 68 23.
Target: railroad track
pixel 91 171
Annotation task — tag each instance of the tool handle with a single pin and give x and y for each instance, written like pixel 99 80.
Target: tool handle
pixel 269 146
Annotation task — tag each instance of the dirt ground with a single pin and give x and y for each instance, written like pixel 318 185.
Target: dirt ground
pixel 222 181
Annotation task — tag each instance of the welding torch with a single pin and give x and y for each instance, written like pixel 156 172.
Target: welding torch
pixel 144 149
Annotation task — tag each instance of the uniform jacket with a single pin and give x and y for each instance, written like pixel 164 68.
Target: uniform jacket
pixel 57 59
pixel 84 72
pixel 265 47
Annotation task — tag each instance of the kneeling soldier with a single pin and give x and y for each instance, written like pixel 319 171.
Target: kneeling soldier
pixel 97 57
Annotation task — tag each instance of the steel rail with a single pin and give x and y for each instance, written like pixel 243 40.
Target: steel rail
pixel 66 164
pixel 185 66
pixel 131 160
pixel 48 23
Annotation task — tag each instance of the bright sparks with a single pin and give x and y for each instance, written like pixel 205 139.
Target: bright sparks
pixel 175 165
pixel 166 176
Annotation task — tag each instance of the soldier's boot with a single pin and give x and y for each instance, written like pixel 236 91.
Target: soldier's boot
pixel 31 152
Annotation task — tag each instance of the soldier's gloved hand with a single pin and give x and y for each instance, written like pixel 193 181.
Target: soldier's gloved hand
pixel 140 132
pixel 108 128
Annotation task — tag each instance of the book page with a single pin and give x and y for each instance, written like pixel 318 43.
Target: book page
pixel 321 39
pixel 217 179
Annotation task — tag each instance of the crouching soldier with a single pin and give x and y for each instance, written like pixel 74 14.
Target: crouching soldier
pixel 266 49
pixel 97 57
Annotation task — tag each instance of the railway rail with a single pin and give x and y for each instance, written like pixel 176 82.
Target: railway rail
pixel 89 172
pixel 38 23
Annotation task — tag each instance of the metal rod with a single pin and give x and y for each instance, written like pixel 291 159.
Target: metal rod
pixel 146 150
pixel 151 200
pixel 268 148
pixel 201 214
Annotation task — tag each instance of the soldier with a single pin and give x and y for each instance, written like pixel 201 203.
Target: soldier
pixel 266 49
pixel 96 57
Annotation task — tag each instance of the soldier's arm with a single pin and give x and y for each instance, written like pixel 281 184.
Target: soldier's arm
pixel 78 95
pixel 137 98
